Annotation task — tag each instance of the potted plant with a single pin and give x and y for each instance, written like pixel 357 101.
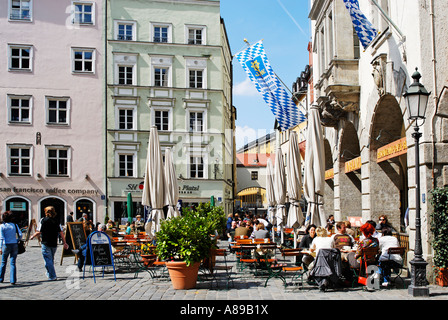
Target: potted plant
pixel 183 242
pixel 439 229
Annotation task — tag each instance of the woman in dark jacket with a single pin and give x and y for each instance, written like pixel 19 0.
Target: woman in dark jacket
pixel 305 243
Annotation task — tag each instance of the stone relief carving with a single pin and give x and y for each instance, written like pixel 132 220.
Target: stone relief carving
pixel 379 73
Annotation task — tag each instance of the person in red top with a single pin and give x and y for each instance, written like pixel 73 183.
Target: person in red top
pixel 354 258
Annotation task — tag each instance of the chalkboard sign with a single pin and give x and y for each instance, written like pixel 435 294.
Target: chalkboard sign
pixel 75 236
pixel 100 251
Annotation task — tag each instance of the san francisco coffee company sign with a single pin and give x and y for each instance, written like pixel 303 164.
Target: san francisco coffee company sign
pixel 49 191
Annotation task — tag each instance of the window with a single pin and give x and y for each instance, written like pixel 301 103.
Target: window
pixel 196 167
pixel 125 75
pixel 126 119
pixel 83 13
pixel 57 110
pixel 126 165
pixel 125 30
pixel 195 34
pixel 161 34
pixel 83 60
pixel 161 119
pixel 19 160
pixel 19 109
pixel 20 57
pixel 161 77
pixel 254 175
pixel 58 161
pixel 20 10
pixel 196 122
pixel 196 79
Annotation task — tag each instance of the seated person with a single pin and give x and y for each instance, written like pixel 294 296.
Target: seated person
pixel 242 230
pixel 386 262
pixel 341 239
pixel 306 242
pixel 354 258
pixel 261 233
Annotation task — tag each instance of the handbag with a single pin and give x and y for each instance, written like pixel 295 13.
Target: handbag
pixel 20 242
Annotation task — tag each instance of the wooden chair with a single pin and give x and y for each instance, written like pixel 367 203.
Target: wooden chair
pixel 369 257
pixel 397 268
pixel 296 271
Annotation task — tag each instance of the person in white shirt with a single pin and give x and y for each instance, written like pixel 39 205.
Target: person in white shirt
pixel 386 262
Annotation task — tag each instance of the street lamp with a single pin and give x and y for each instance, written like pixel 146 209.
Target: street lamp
pixel 417 100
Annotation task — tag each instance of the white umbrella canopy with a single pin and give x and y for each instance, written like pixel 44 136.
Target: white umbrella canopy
pixel 280 190
pixel 314 179
pixel 270 193
pixel 294 179
pixel 172 186
pixel 154 187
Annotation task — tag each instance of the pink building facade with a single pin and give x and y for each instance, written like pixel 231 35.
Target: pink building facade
pixel 51 108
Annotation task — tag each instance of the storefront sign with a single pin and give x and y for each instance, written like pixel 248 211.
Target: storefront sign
pixel 329 174
pixel 187 189
pixel 353 165
pixel 50 191
pixel 392 150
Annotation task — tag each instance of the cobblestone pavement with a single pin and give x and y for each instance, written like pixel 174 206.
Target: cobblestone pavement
pixel 33 285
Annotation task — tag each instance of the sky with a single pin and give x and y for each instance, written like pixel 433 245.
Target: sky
pixel 284 27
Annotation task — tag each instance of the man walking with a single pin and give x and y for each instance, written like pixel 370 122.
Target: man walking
pixel 49 229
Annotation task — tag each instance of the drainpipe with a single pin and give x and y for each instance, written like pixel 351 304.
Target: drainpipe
pixel 436 99
pixel 106 193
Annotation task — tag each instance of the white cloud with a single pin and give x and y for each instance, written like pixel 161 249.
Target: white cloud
pixel 245 88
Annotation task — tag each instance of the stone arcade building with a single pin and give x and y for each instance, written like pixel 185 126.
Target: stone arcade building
pixel 368 140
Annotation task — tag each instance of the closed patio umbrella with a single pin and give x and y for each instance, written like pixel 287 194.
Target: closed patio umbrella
pixel 294 179
pixel 314 179
pixel 270 193
pixel 130 208
pixel 280 191
pixel 154 185
pixel 172 186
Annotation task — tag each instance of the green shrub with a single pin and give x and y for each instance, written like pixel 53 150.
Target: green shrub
pixel 439 226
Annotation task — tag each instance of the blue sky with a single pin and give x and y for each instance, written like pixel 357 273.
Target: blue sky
pixel 284 27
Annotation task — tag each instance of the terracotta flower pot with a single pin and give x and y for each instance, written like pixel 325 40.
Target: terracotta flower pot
pixel 442 277
pixel 183 277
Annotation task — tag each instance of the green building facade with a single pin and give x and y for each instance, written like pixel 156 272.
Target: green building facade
pixel 169 65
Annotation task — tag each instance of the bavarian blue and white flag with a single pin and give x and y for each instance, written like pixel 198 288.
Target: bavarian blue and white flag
pixel 365 30
pixel 255 62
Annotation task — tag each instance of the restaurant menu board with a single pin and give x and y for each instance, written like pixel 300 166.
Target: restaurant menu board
pixel 75 236
pixel 100 251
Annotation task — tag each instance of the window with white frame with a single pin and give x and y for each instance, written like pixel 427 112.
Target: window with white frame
pixel 57 111
pixel 162 120
pixel 196 167
pixel 161 32
pixel 20 10
pixel 196 121
pixel 83 60
pixel 125 118
pixel 161 77
pixel 195 34
pixel 58 160
pixel 83 12
pixel 19 160
pixel 125 30
pixel 19 109
pixel 20 57
pixel 126 165
pixel 196 79
pixel 126 75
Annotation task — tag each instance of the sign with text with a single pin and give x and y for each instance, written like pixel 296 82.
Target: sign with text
pixel 329 174
pixel 392 150
pixel 100 251
pixel 353 165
